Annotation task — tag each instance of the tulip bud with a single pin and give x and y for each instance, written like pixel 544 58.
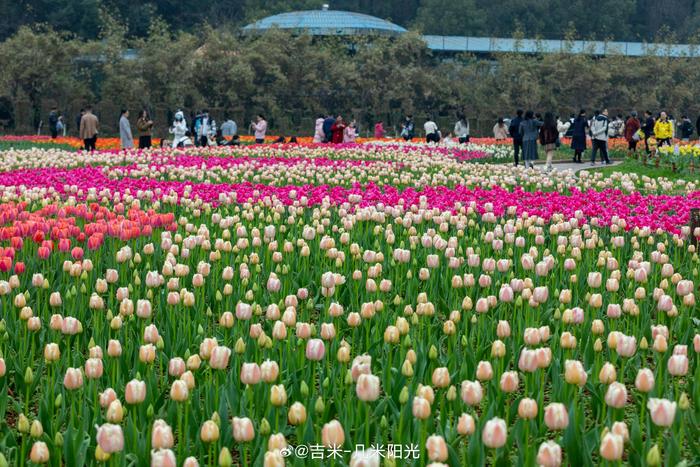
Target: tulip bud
pixel 23 424
pixel 433 352
pixel 403 396
pixel 319 406
pixel 654 456
pixel 225 459
pixel 58 439
pixel 36 430
pixel 264 427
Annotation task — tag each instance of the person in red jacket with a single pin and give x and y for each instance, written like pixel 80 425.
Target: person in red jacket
pixel 632 126
pixel 337 130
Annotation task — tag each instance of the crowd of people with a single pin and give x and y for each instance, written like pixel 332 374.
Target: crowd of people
pixel 335 130
pixel 653 131
pixel 202 131
pixel 527 129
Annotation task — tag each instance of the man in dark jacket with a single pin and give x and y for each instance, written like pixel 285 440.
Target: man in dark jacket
pixel 78 118
pixel 514 131
pixel 686 128
pixel 327 128
pixel 648 129
pixel 53 122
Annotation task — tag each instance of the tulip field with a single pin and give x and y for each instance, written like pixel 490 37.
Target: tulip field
pixel 368 305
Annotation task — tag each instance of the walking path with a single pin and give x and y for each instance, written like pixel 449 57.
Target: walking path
pixel 586 165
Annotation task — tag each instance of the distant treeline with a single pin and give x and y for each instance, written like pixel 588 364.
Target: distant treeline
pixel 627 20
pixel 293 79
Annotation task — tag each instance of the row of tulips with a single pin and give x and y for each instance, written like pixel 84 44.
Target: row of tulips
pixel 575 338
pixel 163 328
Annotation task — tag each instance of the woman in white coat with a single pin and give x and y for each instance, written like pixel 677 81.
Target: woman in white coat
pixel 179 128
pixel 125 136
pixel 319 135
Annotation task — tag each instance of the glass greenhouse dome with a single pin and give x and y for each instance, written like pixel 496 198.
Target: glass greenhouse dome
pixel 326 22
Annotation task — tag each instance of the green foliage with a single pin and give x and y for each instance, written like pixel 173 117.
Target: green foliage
pixel 291 79
pixel 603 19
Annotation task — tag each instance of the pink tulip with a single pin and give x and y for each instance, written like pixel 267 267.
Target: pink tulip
pixel 556 417
pixel 219 357
pixel 162 435
pixel 644 380
pixel 163 458
pixel 678 365
pixel 135 392
pixel 616 395
pixel 243 431
pixel 611 447
pixel 494 433
pixel 250 373
pixel 110 438
pixel 368 388
pixel 527 408
pixel 466 424
pixel 73 379
pixel 315 350
pixel 471 392
pixel 549 454
pixel 662 411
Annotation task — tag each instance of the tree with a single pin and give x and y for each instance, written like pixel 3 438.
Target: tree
pixel 38 65
pixel 450 18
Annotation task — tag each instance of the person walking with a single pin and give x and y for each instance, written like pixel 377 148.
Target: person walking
pixel 78 118
pixel 648 129
pixel 204 128
pixel 125 136
pixel 89 127
pixel 319 136
pixel 350 133
pixel 631 133
pixel 663 130
pixel 432 133
pixel 529 132
pixel 328 128
pixel 259 126
pixel 462 129
pixel 338 130
pixel 379 132
pixel 229 129
pixel 500 130
pixel 61 126
pixel 179 131
pixel 144 126
pixel 579 131
pixel 599 137
pixel 616 127
pixel 549 136
pixel 563 127
pixel 514 131
pixel 408 128
pixel 686 129
pixel 53 122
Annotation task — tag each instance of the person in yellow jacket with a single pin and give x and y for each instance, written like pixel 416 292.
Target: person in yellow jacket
pixel 663 130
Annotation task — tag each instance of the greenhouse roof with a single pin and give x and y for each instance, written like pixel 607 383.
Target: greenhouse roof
pixel 326 22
